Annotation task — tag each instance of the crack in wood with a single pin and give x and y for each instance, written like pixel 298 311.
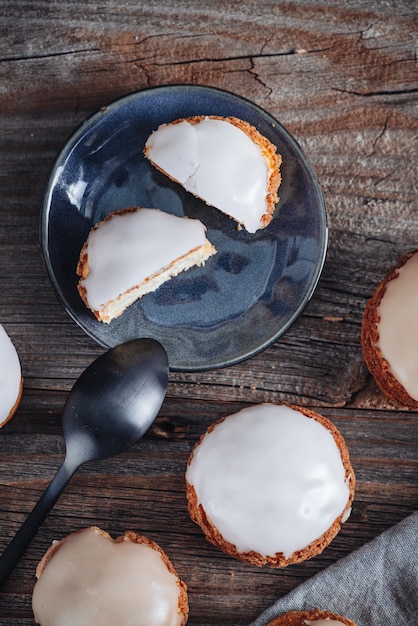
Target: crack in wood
pixel 369 94
pixel 247 57
pixel 37 57
pixel 378 137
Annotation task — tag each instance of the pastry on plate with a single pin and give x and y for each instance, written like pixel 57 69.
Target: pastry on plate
pixel 315 617
pixel 271 484
pixel 132 252
pixel 389 333
pixel 11 383
pixel 88 578
pixel 224 161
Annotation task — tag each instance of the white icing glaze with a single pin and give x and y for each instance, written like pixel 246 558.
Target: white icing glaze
pixel 92 580
pixel 130 247
pixel 10 375
pixel 216 161
pixel 323 622
pixel 398 326
pixel 270 479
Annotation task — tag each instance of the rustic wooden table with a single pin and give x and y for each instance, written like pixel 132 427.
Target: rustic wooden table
pixel 342 77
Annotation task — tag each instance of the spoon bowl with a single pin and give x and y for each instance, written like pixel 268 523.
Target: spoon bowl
pixel 109 408
pixel 115 400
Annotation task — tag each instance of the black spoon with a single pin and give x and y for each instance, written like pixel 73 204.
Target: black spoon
pixel 110 407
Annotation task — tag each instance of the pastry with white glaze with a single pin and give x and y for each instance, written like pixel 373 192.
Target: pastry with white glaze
pixel 389 333
pixel 87 578
pixel 224 161
pixel 11 383
pixel 271 484
pixel 314 617
pixel 133 252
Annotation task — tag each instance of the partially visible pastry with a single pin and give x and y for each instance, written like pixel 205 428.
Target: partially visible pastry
pixel 11 383
pixel 134 251
pixel 224 161
pixel 315 617
pixel 271 484
pixel 88 578
pixel 389 333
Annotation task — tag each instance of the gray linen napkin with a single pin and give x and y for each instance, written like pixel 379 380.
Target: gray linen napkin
pixel 376 585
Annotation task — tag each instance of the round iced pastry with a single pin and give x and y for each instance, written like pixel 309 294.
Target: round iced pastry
pixel 134 251
pixel 270 484
pixel 88 578
pixel 389 333
pixel 11 383
pixel 224 161
pixel 314 617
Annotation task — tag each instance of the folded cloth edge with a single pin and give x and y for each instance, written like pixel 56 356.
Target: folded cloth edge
pixel 375 585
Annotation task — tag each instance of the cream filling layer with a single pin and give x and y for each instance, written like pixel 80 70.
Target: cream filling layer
pixel 216 161
pixel 133 246
pixel 10 375
pixel 270 479
pixel 398 326
pixel 92 580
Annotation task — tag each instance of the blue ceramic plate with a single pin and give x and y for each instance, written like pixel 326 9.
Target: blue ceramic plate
pixel 247 295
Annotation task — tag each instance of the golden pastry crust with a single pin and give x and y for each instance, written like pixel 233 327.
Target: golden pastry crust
pixel 198 514
pixel 378 366
pixel 297 618
pixel 272 159
pixel 135 538
pixel 16 404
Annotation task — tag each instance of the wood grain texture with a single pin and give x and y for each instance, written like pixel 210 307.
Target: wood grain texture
pixel 342 77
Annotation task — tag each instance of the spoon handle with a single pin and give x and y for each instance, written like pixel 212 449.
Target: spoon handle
pixel 29 528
